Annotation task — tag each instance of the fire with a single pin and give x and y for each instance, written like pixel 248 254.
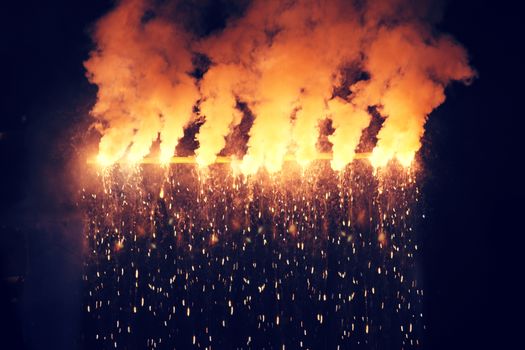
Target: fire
pixel 291 65
pixel 316 241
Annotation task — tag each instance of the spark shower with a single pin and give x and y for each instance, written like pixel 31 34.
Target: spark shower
pixel 257 185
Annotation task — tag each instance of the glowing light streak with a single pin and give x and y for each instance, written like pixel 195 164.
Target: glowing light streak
pixel 218 159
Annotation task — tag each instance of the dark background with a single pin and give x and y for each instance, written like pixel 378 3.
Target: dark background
pixel 472 192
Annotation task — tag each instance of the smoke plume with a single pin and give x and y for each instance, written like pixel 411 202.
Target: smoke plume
pixel 286 62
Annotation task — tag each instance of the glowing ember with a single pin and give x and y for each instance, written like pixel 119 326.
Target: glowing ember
pixel 302 261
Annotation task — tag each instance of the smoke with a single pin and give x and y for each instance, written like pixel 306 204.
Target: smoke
pixel 283 60
pixel 141 68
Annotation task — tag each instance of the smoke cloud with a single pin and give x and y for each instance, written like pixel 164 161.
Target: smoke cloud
pixel 286 62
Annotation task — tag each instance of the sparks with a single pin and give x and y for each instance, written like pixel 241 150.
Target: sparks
pixel 268 255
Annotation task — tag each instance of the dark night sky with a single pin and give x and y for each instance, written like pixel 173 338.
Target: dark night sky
pixel 471 153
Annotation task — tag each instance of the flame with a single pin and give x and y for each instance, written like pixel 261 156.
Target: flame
pixel 285 62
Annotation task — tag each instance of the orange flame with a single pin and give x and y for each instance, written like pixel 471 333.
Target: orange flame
pixel 285 62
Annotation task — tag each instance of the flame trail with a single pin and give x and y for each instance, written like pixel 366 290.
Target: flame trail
pixel 408 86
pixel 349 122
pixel 220 111
pixel 140 69
pixel 284 61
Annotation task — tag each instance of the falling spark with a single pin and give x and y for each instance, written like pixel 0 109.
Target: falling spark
pixel 283 273
pixel 289 224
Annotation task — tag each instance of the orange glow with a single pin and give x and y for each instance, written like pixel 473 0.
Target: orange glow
pixel 214 239
pixel 217 159
pixel 284 62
